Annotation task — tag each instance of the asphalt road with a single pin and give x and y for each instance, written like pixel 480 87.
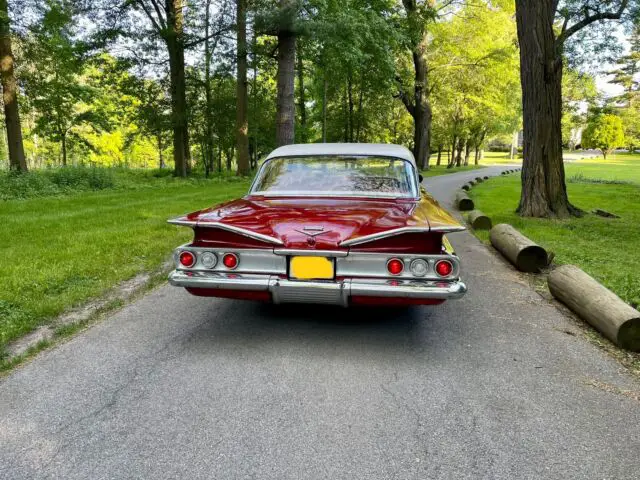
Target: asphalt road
pixel 174 386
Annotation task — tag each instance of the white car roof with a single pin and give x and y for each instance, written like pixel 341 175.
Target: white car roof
pixel 347 149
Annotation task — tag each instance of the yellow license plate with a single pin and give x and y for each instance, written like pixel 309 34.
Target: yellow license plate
pixel 311 268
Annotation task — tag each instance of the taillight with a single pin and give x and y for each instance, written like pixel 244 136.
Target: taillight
pixel 444 268
pixel 187 259
pixel 230 260
pixel 395 266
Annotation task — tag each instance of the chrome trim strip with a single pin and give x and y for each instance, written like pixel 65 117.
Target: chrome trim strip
pixel 448 229
pixel 409 289
pixel 231 281
pixel 182 223
pixel 310 253
pixel 380 235
pixel 230 228
pixel 335 293
pixel 398 231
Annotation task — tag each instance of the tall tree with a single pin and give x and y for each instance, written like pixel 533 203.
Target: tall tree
pixel 168 23
pixel 57 87
pixel 242 122
pixel 285 103
pixel 17 159
pixel 418 104
pixel 544 27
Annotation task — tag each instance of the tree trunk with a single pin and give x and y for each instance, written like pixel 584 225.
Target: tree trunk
pixel 461 144
pixel 174 39
pixel 254 92
pixel 467 152
pixel 242 122
pixel 439 155
pixel 419 107
pixel 452 159
pixel 208 113
pixel 359 114
pixel 17 159
pixel 160 156
pixel 324 110
pixel 544 191
pixel 285 107
pixel 63 144
pixel 229 159
pixel 350 97
pixel 302 102
pixel 345 112
pixel 422 110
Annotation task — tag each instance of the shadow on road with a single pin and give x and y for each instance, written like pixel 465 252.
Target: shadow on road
pixel 239 326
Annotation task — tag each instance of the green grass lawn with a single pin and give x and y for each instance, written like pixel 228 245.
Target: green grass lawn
pixel 435 171
pixel 500 158
pixel 58 252
pixel 607 249
pixel 624 167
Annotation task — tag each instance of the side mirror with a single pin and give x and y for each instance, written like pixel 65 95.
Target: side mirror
pixel 420 178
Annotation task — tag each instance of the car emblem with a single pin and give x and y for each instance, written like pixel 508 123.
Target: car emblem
pixel 312 233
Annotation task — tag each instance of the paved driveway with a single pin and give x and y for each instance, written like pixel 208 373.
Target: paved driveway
pixel 174 386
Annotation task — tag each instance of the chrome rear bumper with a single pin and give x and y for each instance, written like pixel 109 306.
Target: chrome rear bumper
pixel 334 293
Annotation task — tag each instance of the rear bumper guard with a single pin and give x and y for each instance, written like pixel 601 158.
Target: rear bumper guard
pixel 334 293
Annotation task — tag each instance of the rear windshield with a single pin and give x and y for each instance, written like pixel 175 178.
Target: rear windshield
pixel 336 176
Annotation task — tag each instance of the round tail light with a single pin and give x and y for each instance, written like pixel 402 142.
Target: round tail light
pixel 419 267
pixel 395 266
pixel 208 259
pixel 187 259
pixel 230 260
pixel 444 268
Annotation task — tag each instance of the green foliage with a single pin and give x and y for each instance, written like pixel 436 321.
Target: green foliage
pixel 54 182
pixel 74 180
pixel 476 91
pixel 577 88
pixel 604 132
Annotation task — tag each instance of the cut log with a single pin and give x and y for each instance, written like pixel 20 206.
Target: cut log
pixel 504 172
pixel 479 221
pixel 486 177
pixel 596 304
pixel 472 182
pixel 463 202
pixel 466 187
pixel 478 179
pixel 518 249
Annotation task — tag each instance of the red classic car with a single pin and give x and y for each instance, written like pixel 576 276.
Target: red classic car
pixel 342 224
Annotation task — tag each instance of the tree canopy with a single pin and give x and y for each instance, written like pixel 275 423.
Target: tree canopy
pixel 214 85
